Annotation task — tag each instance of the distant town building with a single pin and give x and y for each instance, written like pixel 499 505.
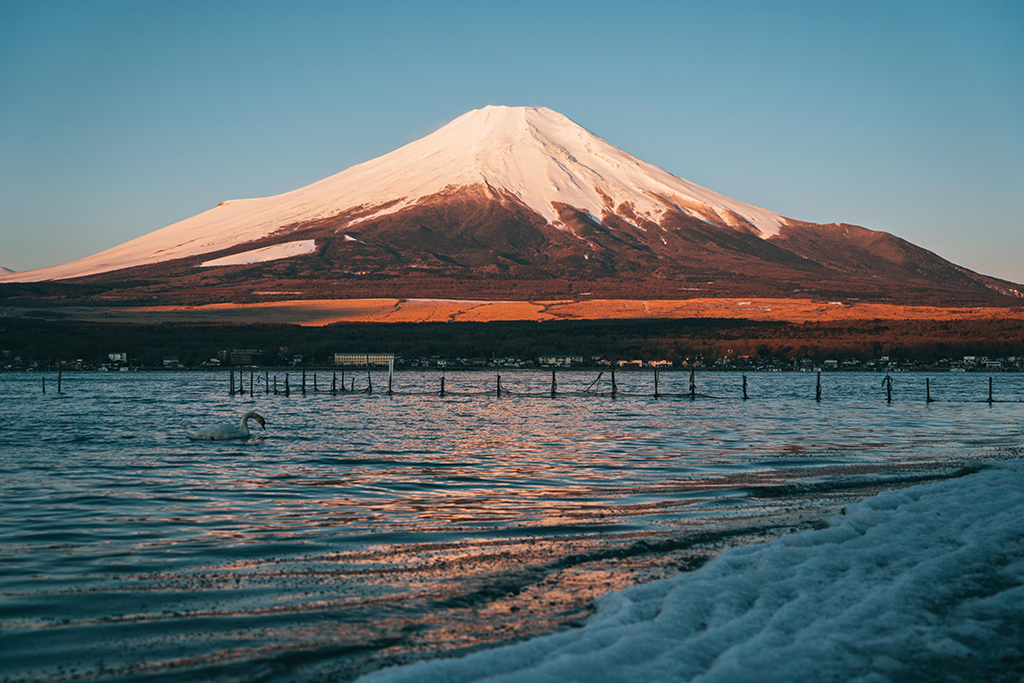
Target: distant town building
pixel 560 361
pixel 364 359
pixel 118 357
pixel 171 362
pixel 630 363
pixel 660 364
pixel 245 356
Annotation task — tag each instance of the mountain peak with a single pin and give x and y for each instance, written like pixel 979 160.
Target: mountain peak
pixel 499 117
pixel 546 159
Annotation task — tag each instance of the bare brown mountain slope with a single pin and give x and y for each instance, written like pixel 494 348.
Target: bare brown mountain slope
pixel 481 243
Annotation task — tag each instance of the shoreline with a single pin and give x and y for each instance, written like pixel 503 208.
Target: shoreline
pixel 925 582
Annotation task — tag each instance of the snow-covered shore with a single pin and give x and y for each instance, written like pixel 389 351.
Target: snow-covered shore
pixel 925 583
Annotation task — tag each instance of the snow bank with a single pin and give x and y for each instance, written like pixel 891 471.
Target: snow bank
pixel 923 584
pixel 271 253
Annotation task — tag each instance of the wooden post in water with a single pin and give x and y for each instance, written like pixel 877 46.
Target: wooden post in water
pixel 231 391
pixel 441 394
pixel 60 371
pixel 303 379
pixel 817 389
pixel 287 387
pixel 44 385
pixel 334 384
pixel 990 391
pixel 745 388
pixel 615 387
pixel 693 386
pixel 266 382
pixel 353 387
pixel 391 374
pixel 554 384
pixel 498 390
pixel 656 384
pixel 275 385
pixel 250 382
pixel 888 388
pixel 241 383
pixel 927 390
pixel 316 389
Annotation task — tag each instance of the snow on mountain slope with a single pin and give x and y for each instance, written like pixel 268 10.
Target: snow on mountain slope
pixel 536 155
pixel 264 254
pixel 4 271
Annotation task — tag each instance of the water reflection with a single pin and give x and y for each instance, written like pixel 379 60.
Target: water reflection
pixel 363 530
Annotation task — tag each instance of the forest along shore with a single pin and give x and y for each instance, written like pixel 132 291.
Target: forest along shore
pixel 701 343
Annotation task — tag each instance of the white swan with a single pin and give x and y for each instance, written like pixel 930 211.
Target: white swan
pixel 225 432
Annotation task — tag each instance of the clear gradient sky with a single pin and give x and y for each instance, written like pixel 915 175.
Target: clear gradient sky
pixel 118 118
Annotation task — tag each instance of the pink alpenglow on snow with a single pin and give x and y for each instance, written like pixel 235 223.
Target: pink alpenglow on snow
pixel 925 583
pixel 271 253
pixel 536 155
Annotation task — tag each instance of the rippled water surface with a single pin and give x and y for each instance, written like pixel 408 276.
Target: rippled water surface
pixel 366 530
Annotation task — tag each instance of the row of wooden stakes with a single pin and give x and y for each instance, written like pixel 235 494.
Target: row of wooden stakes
pixel 499 391
pixel 271 388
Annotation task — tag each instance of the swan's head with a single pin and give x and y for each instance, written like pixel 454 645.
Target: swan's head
pixel 263 423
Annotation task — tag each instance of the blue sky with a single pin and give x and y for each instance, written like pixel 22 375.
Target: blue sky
pixel 117 118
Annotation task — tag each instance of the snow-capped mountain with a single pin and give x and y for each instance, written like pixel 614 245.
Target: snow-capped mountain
pixel 517 193
pixel 535 155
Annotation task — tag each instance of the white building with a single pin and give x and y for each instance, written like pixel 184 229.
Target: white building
pixel 364 359
pixel 560 361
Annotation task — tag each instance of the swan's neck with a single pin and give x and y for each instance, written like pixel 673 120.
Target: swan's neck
pixel 245 422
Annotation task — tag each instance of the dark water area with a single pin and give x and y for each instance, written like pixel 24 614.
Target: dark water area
pixel 360 531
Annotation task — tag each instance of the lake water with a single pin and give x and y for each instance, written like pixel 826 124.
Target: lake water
pixel 366 530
